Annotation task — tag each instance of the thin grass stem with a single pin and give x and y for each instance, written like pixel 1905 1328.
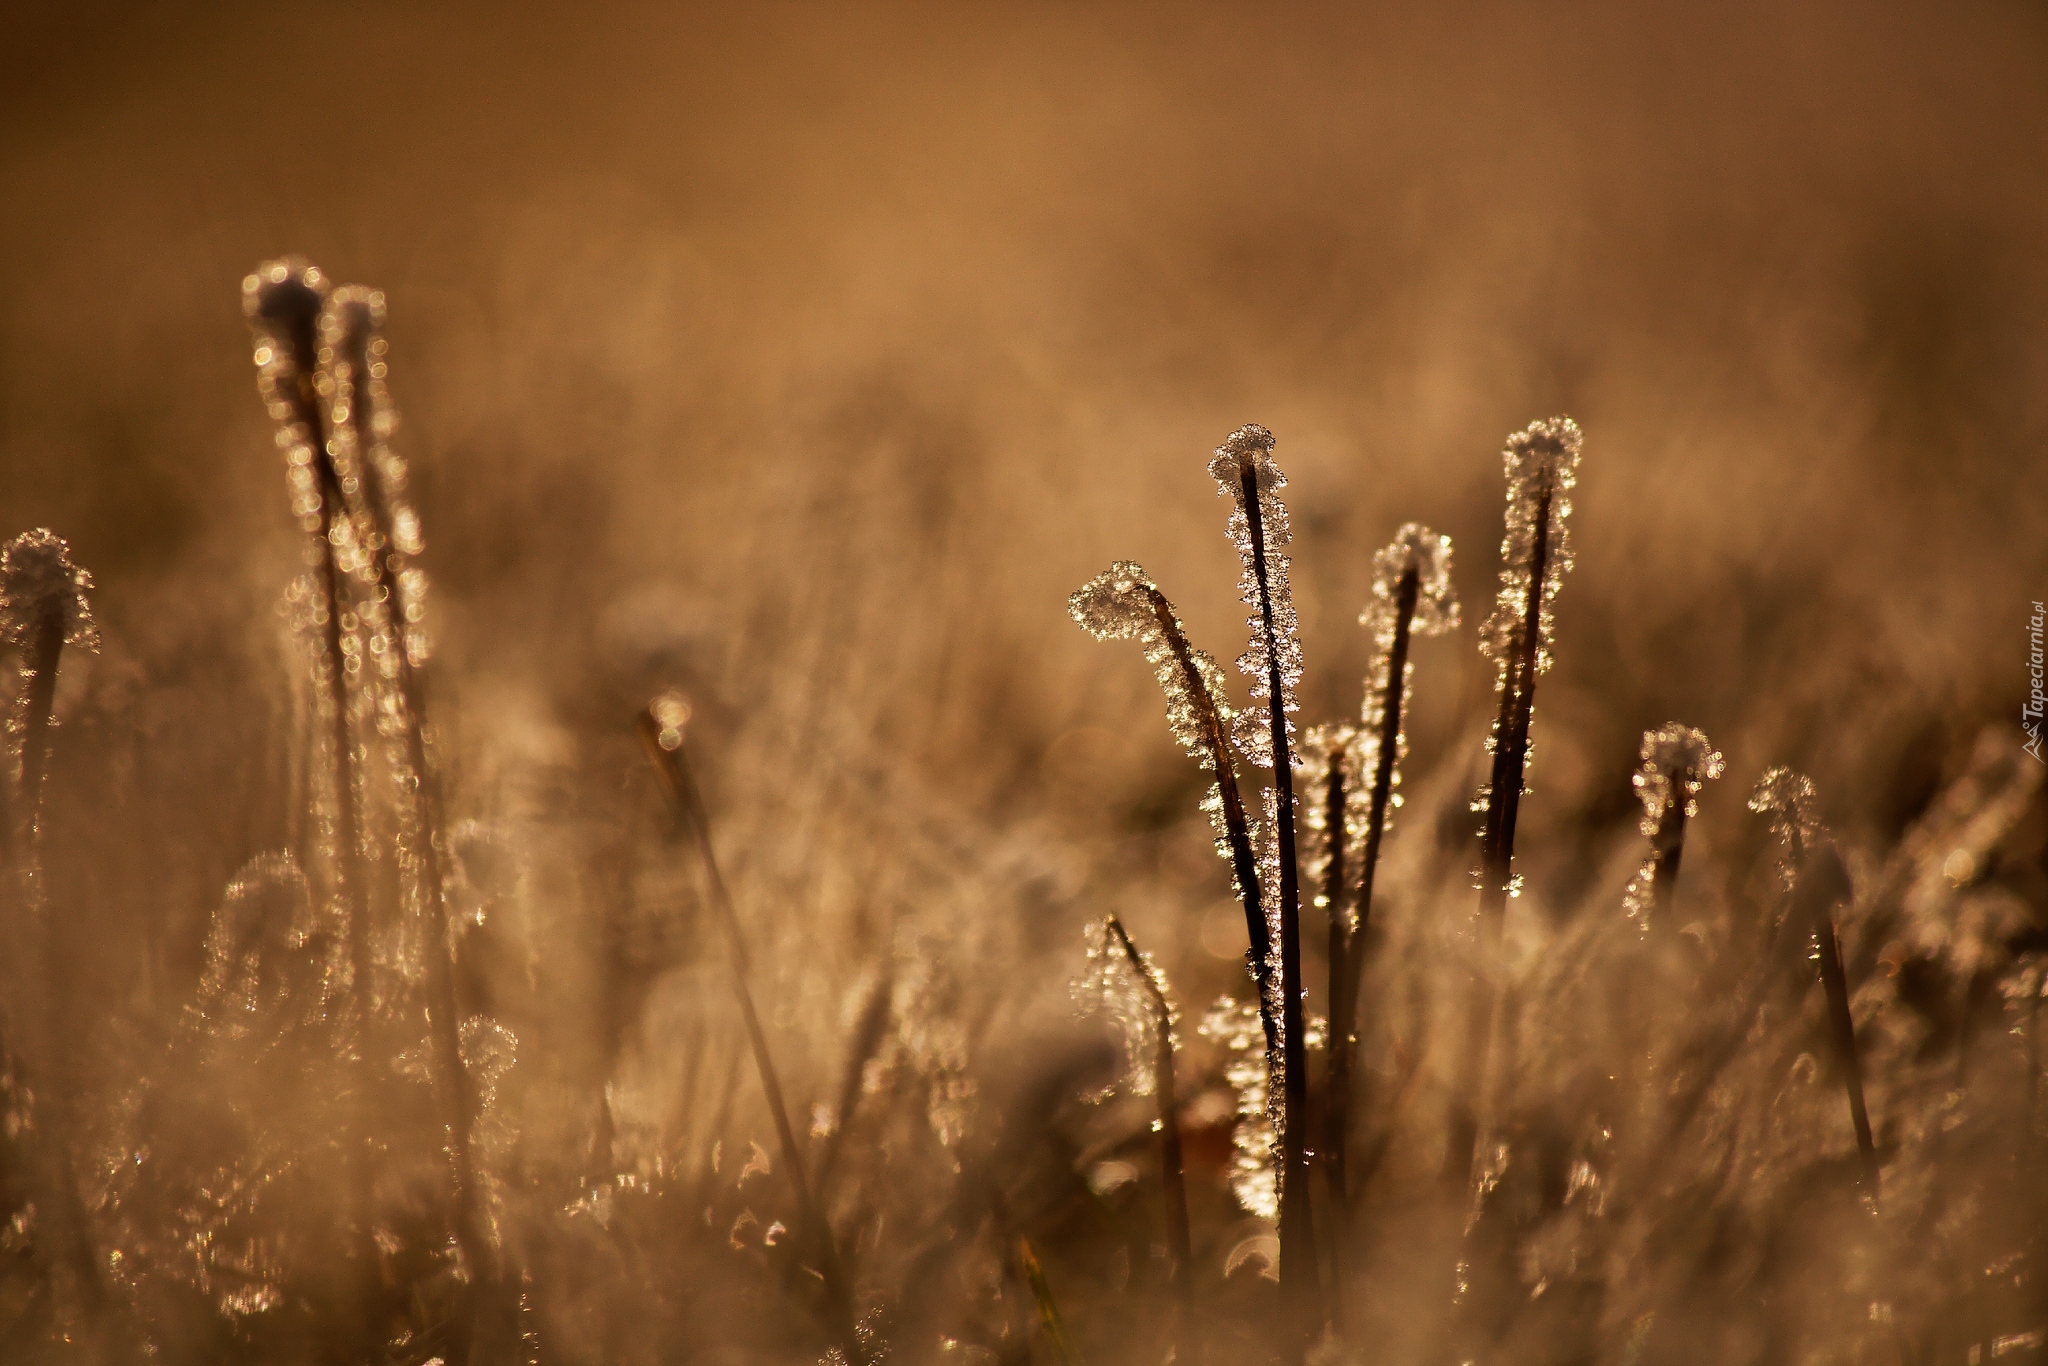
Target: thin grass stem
pixel 686 805
pixel 1172 1169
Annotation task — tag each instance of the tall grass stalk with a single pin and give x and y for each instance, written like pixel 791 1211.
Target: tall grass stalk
pixel 322 397
pixel 1411 593
pixel 1818 882
pixel 1244 470
pixel 1541 464
pixel 1172 1170
pixel 352 385
pixel 661 728
pixel 283 301
pixel 43 610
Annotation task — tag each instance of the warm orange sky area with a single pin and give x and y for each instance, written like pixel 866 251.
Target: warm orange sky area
pixel 724 325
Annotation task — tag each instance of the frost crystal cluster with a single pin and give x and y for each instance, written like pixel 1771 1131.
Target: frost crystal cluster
pixel 1786 800
pixel 39 581
pixel 1434 611
pixel 1676 760
pixel 1248 456
pixel 1124 604
pixel 1255 1138
pixel 1542 464
pixel 1112 986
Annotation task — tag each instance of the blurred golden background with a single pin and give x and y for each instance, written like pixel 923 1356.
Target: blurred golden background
pixel 807 356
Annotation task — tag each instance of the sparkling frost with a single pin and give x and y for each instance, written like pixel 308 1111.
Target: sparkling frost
pixel 1249 451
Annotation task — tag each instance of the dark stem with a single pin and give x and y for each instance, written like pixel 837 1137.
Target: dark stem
pixel 1299 1275
pixel 1823 885
pixel 1237 829
pixel 867 1041
pixel 38 1028
pixel 1347 985
pixel 1178 1239
pixel 1048 1309
pixel 1497 841
pixel 39 660
pixel 687 805
pixel 1667 846
pixel 294 310
pixel 1337 1075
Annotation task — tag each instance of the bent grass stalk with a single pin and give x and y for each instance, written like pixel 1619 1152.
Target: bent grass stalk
pixel 1541 464
pixel 1812 871
pixel 1172 1170
pixel 661 731
pixel 1123 603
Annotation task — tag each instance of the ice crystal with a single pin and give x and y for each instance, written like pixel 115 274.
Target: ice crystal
pixel 1786 800
pixel 1247 457
pixel 1676 759
pixel 1542 463
pixel 1427 555
pixel 39 582
pixel 1255 1137
pixel 1112 985
pixel 1123 603
pixel 1266 849
pixel 1676 763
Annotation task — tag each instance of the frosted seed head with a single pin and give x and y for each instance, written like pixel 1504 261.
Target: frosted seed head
pixel 1676 761
pixel 1116 604
pixel 1124 604
pixel 671 714
pixel 353 320
pixel 282 300
pixel 38 581
pixel 1428 553
pixel 1786 800
pixel 1540 461
pixel 1249 449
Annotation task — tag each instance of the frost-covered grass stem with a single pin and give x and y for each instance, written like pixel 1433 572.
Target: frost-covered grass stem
pixel 1347 935
pixel 1299 1275
pixel 1541 463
